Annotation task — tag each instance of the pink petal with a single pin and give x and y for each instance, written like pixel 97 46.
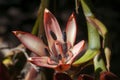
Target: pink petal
pixel 71 29
pixel 52 28
pixel 41 61
pixel 76 50
pixel 33 43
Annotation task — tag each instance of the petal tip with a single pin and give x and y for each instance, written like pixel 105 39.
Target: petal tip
pixel 73 14
pixel 14 32
pixel 46 10
pixel 29 59
pixel 18 33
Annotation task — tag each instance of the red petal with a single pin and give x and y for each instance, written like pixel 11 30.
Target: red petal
pixel 51 27
pixel 31 42
pixel 76 50
pixel 63 67
pixel 41 61
pixel 108 76
pixel 71 29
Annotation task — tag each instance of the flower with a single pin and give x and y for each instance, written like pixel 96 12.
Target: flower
pixel 61 51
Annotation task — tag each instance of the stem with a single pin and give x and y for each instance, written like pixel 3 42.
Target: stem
pixel 99 65
pixel 76 6
pixel 39 26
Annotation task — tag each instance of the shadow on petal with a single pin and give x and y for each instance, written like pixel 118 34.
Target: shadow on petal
pixel 41 61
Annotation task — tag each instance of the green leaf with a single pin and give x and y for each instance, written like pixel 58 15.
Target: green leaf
pixel 86 57
pixel 38 26
pixel 104 33
pixel 86 9
pixel 93 37
pixel 99 25
pixel 99 65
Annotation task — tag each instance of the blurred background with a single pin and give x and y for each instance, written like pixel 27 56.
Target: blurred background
pixel 21 15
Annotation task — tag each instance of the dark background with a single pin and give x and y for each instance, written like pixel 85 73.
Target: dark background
pixel 21 15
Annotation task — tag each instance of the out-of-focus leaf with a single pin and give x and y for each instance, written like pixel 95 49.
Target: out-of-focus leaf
pixel 76 6
pixel 61 76
pixel 87 56
pixel 34 75
pixel 108 76
pixel 31 75
pixel 7 61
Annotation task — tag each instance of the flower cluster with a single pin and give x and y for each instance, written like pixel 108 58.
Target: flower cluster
pixel 61 50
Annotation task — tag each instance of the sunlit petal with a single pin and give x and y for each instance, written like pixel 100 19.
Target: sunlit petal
pixel 41 61
pixel 52 28
pixel 71 29
pixel 32 42
pixel 76 50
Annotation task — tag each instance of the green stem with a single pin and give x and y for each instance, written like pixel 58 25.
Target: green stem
pixel 99 65
pixel 39 26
